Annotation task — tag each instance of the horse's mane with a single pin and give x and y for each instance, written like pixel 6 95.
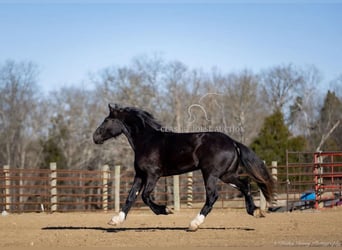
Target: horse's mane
pixel 145 117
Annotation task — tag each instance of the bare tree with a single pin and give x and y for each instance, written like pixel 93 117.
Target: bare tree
pixel 21 120
pixel 182 87
pixel 74 116
pixel 244 105
pixel 176 94
pixel 280 84
pixel 19 114
pixel 306 102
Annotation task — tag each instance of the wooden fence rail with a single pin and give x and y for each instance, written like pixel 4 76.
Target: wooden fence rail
pixel 53 189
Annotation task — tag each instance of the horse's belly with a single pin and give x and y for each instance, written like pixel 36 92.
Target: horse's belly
pixel 179 166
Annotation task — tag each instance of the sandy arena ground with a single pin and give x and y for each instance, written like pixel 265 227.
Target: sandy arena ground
pixel 223 227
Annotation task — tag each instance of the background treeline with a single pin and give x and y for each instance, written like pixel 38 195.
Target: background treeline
pixel 276 109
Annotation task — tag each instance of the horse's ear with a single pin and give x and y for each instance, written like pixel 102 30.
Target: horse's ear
pixel 111 108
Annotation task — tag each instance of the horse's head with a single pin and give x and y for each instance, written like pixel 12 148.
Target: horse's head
pixel 111 127
pixel 128 120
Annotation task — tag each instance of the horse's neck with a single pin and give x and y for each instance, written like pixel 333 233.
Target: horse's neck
pixel 136 138
pixel 127 132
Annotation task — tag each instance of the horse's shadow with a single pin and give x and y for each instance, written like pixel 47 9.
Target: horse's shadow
pixel 143 229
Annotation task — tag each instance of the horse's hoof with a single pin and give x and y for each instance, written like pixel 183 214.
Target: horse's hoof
pixel 112 223
pixel 258 213
pixel 118 219
pixel 195 223
pixel 192 229
pixel 168 211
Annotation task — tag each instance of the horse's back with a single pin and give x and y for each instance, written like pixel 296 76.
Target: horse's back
pixel 183 152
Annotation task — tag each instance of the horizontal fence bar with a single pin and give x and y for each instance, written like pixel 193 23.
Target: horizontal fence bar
pixel 81 190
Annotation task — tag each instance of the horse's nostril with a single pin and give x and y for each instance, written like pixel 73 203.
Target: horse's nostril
pixel 97 139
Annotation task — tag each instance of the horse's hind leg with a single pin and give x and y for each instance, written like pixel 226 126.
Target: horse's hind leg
pixel 243 185
pixel 211 197
pixel 151 182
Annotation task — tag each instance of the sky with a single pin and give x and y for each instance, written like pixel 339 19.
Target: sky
pixel 70 39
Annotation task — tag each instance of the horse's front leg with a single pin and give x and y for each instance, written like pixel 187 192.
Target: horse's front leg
pixel 211 197
pixel 132 196
pixel 151 182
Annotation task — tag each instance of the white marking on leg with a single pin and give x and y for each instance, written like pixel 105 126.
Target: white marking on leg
pixel 195 223
pixel 258 213
pixel 117 219
pixel 168 210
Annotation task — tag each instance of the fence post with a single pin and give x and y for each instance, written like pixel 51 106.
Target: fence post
pixel 263 202
pixel 7 188
pixel 319 184
pixel 53 186
pixel 274 172
pixel 189 190
pixel 117 188
pixel 105 178
pixel 176 199
pixel 287 181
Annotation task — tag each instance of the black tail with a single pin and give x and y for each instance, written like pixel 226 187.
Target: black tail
pixel 256 168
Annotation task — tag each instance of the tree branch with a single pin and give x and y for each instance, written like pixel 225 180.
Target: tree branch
pixel 326 136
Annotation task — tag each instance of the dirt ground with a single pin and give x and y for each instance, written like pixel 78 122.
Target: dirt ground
pixel 223 227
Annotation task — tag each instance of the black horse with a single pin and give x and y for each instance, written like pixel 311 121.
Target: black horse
pixel 159 153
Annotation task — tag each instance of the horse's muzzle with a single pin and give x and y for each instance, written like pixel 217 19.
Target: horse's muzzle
pixel 97 139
